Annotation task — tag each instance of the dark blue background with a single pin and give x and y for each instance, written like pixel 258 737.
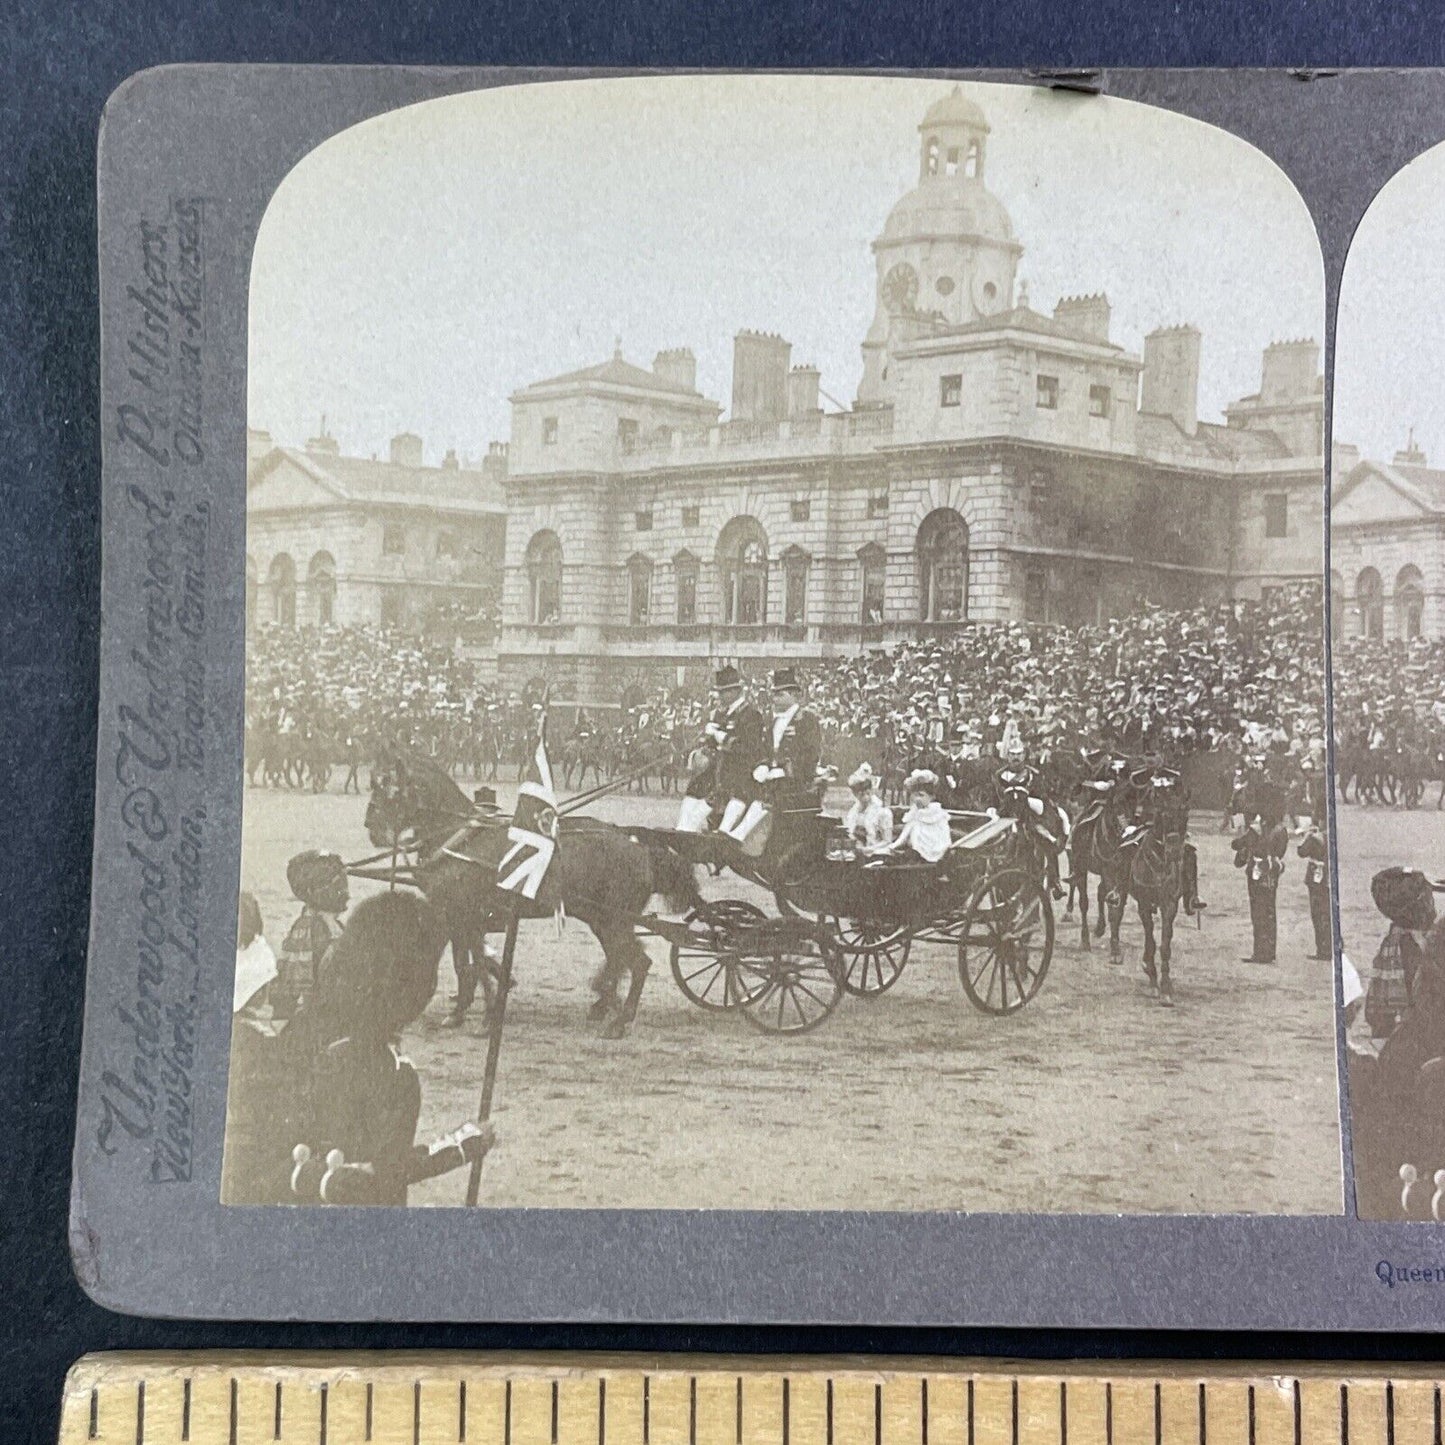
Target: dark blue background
pixel 60 67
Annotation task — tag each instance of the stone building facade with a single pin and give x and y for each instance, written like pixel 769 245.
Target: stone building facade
pixel 999 462
pixel 351 540
pixel 1387 546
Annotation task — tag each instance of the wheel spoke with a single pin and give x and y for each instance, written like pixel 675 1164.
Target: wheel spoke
pixel 803 988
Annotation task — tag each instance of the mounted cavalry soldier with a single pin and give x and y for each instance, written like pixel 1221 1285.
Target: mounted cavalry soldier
pixel 736 742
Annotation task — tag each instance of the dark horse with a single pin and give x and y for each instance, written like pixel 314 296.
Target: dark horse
pixel 601 876
pixel 1096 846
pixel 1156 880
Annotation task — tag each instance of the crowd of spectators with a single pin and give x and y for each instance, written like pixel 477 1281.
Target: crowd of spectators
pixel 1237 676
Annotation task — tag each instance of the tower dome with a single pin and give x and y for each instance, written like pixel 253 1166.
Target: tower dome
pixel 950 198
pixel 949 207
pixel 947 255
pixel 955 108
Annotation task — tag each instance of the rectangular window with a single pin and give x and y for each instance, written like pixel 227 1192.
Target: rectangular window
pixel 1036 595
pixel 800 511
pixel 1276 514
pixel 643 519
pixel 686 596
pixel 640 600
pixel 1101 401
pixel 393 540
pixel 950 389
pixel 626 433
pixel 692 516
pixel 874 572
pixel 878 504
pixel 795 594
pixel 1046 393
pixel 549 431
pixel 1040 490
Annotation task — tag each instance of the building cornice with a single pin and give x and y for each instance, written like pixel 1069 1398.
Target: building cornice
pixel 1022 339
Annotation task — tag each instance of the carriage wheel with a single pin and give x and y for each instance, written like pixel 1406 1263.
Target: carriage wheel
pixel 872 954
pixel 799 979
pixel 1006 943
pixel 709 971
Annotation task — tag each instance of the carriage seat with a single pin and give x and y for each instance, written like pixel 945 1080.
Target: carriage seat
pixel 980 830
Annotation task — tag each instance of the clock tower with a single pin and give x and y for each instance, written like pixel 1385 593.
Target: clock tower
pixel 947 255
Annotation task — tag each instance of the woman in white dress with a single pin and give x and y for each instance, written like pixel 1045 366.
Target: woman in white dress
pixel 925 825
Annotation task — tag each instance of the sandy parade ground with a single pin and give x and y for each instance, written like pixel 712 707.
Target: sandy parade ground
pixel 1093 1098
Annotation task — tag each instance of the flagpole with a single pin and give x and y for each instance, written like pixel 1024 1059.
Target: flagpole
pixel 494 1045
pixel 509 948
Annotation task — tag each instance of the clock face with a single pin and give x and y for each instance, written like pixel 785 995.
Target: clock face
pixel 900 288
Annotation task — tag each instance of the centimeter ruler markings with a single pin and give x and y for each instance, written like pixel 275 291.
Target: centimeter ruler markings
pixel 256 1400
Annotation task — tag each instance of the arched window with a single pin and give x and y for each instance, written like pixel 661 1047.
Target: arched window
pixel 873 562
pixel 943 567
pixel 1337 607
pixel 282 582
pixel 639 589
pixel 970 165
pixel 1409 602
pixel 321 582
pixel 933 155
pixel 742 556
pixel 685 568
pixel 253 582
pixel 1370 599
pixel 544 578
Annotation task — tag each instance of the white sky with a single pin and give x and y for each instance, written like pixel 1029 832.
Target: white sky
pixel 1390 346
pixel 415 270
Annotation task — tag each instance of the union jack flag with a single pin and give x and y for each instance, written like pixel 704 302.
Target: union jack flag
pixel 533 833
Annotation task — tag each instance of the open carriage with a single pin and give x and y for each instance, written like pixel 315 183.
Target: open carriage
pixel 846 924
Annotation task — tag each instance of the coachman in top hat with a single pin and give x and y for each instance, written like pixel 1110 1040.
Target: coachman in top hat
pixel 736 741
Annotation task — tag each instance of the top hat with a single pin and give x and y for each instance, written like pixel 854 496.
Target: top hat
pixel 727 677
pixel 484 797
pixel 785 679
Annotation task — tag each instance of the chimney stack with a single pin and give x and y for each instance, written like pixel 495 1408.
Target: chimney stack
pixel 450 462
pixel 760 376
pixel 803 390
pixel 494 464
pixel 1086 316
pixel 1410 455
pixel 678 366
pixel 406 450
pixel 1171 376
pixel 1289 372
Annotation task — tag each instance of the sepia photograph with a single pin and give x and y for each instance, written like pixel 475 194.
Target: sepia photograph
pixel 786 655
pixel 1387 619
